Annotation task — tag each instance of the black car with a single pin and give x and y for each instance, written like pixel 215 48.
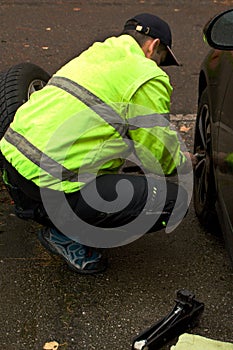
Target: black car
pixel 213 176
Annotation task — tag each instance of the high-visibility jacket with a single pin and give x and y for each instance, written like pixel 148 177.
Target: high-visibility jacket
pixel 103 105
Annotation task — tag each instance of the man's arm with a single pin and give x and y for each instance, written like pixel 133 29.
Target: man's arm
pixel 157 145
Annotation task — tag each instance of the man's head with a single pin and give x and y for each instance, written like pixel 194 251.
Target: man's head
pixel 154 36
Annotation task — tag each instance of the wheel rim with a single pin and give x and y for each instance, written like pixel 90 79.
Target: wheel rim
pixel 35 85
pixel 202 169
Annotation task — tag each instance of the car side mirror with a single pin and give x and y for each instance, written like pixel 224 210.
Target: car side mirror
pixel 218 32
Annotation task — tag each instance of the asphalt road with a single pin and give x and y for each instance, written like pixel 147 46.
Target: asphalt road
pixel 41 299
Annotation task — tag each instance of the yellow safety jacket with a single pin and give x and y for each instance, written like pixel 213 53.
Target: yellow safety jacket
pixel 97 109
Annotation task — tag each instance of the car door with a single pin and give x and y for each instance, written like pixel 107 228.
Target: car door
pixel 224 164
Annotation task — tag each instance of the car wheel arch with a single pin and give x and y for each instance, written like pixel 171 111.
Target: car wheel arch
pixel 202 84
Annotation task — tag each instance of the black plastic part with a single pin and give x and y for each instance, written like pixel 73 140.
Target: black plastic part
pixel 184 316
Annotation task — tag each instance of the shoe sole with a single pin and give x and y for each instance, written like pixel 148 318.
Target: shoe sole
pixel 102 266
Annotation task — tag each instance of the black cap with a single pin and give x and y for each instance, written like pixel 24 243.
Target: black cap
pixel 154 27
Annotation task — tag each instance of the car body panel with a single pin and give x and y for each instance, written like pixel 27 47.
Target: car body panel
pixel 217 76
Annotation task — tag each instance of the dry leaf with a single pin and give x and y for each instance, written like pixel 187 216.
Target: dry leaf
pixel 184 128
pixel 53 345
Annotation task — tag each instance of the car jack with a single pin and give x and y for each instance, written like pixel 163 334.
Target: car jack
pixel 184 316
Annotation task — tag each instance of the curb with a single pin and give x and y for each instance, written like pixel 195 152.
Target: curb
pixel 182 117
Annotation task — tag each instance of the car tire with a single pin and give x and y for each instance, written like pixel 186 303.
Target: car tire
pixel 204 185
pixel 16 85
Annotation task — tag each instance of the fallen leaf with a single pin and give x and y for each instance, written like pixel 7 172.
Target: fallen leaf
pixel 184 128
pixel 53 345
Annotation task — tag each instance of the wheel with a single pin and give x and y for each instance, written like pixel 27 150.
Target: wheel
pixel 16 85
pixel 204 185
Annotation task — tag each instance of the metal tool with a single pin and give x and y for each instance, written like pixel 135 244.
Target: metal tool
pixel 200 156
pixel 184 316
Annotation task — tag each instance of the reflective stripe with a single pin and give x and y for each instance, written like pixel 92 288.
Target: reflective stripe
pixel 54 168
pixel 39 158
pixel 105 111
pixel 149 121
pixel 92 101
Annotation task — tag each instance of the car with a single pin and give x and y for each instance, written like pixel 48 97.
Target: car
pixel 213 137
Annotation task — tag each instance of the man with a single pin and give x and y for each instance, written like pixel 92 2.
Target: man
pixel 108 102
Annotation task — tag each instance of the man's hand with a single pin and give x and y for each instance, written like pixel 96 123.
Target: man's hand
pixel 187 167
pixel 192 157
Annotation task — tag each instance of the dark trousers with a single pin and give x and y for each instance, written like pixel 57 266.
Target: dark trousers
pixel 144 197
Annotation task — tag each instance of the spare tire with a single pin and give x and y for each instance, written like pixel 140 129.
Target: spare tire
pixel 16 86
